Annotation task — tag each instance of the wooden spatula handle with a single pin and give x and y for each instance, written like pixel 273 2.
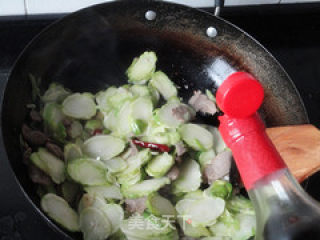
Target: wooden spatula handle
pixel 299 146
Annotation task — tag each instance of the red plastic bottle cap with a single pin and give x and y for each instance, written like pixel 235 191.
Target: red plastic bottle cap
pixel 240 95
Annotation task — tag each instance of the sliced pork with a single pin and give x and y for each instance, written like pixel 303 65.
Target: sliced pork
pixel 137 205
pixel 218 167
pixel 201 103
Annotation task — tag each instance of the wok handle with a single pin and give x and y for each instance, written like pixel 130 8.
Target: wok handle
pixel 218 5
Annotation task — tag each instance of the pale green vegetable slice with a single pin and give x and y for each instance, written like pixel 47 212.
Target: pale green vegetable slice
pixel 140 90
pixel 110 120
pixel 168 137
pixel 93 124
pixel 205 212
pixel 36 160
pixel 72 151
pixel 227 225
pixel 111 177
pixel 219 188
pixel 219 145
pixel 189 178
pixel 144 188
pixel 106 192
pixel 141 158
pixel 160 206
pixel 50 164
pixel 130 176
pixel 69 191
pixel 222 230
pixel 190 230
pixel 124 118
pixel 102 99
pixel 94 224
pixel 115 214
pixel 211 96
pixel 247 227
pixel 87 171
pixel 160 165
pixel 164 85
pixel 75 129
pixel 116 164
pixel 118 98
pixel 240 204
pixel 206 158
pixel 60 211
pixel 184 205
pixel 196 137
pixel 217 238
pixel 142 68
pixel 79 106
pixel 53 116
pixel 174 113
pixel 138 126
pixel 142 109
pixel 155 126
pixel 55 93
pixel 103 147
pixel 155 95
pixel 235 227
pixel 195 195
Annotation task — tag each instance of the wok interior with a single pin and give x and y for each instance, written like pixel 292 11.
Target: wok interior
pixel 85 52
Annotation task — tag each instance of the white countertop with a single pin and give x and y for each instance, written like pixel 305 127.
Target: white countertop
pixel 34 7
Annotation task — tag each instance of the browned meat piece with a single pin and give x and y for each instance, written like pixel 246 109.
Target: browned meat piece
pixel 218 167
pixel 180 149
pixel 66 122
pixel 180 113
pixel 55 150
pixel 201 102
pixel 35 116
pixel 136 205
pixel 37 176
pixel 178 159
pixel 26 155
pixel 34 137
pixel 173 173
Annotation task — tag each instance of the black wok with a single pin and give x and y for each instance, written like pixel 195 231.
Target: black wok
pixel 91 49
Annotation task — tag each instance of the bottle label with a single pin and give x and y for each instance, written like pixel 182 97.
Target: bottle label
pixel 254 153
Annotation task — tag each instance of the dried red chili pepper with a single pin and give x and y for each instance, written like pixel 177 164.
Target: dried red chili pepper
pixel 153 146
pixel 96 132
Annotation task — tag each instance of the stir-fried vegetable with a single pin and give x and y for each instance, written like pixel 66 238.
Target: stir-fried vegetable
pixel 103 147
pixel 133 163
pixel 50 164
pixel 79 106
pixel 189 178
pixel 60 211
